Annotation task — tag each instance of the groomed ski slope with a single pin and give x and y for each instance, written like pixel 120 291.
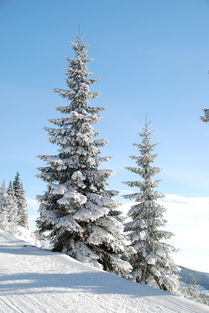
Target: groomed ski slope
pixel 33 280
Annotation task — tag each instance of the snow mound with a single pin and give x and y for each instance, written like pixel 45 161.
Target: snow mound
pixel 34 280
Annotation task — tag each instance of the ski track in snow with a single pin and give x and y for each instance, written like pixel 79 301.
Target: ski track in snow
pixel 33 280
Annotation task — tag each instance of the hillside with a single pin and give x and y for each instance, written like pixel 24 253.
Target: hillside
pixel 33 280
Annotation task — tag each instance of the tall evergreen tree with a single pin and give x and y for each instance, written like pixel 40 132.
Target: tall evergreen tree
pixel 151 262
pixel 21 202
pixel 205 118
pixel 77 210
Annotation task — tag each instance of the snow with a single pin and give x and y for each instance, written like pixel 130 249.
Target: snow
pixel 39 281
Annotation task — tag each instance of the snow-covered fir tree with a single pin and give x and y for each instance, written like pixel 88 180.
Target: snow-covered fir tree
pixel 13 209
pixel 21 201
pixel 8 209
pixel 77 211
pixel 205 117
pixel 152 263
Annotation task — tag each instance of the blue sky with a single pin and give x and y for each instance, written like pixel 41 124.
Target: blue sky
pixel 152 57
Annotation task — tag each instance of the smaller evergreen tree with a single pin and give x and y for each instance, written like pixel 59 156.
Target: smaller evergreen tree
pixel 151 262
pixel 21 202
pixel 12 207
pixel 10 189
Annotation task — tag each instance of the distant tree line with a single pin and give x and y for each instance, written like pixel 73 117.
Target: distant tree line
pixel 13 207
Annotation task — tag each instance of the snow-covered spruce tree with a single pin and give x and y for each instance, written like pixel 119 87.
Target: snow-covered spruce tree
pixel 8 210
pixel 151 263
pixel 205 118
pixel 21 202
pixel 13 210
pixel 77 212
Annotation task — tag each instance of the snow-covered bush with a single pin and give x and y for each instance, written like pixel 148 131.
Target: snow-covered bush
pixel 193 292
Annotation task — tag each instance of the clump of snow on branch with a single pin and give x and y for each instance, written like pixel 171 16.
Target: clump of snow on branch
pixel 205 117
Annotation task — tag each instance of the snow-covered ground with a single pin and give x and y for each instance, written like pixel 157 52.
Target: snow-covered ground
pixel 33 280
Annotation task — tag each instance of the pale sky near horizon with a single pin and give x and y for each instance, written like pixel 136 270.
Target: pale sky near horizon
pixel 152 57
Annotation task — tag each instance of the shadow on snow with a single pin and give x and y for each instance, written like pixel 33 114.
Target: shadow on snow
pixel 94 281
